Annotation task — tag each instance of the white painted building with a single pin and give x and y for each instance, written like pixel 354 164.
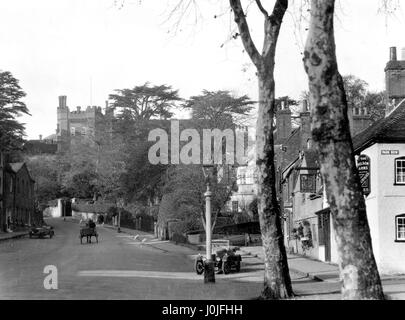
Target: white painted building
pixel 384 145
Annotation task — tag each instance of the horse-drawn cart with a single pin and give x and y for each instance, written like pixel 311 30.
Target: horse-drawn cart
pixel 88 233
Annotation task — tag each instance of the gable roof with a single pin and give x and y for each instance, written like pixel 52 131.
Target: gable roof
pixel 17 166
pixel 390 129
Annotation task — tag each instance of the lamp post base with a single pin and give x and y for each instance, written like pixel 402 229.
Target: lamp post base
pixel 209 271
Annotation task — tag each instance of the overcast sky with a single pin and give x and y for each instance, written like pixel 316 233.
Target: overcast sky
pixel 87 48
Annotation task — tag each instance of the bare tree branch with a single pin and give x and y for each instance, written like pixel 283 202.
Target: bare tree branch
pixel 260 6
pixel 243 27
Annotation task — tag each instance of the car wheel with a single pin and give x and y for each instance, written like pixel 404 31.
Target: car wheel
pixel 199 267
pixel 226 267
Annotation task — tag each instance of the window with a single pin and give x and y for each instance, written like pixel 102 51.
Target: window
pixel 400 227
pixel 400 171
pixel 234 206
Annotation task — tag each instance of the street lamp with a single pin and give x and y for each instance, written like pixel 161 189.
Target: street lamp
pixel 209 267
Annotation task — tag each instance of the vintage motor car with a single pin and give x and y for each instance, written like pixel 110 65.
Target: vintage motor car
pixel 41 232
pixel 226 260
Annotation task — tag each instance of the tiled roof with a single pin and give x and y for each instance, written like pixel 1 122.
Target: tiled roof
pixel 387 130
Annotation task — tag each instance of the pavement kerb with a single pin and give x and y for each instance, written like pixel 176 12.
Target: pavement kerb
pixel 21 235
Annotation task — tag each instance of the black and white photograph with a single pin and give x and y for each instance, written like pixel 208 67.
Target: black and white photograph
pixel 215 151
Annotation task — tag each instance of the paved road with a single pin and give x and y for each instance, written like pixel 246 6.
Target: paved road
pixel 121 267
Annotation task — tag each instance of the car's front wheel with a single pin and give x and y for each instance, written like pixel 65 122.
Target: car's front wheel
pixel 199 267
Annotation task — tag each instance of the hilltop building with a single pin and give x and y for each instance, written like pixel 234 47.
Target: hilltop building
pixel 74 126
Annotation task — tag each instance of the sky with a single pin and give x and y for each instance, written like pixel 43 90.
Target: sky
pixel 85 49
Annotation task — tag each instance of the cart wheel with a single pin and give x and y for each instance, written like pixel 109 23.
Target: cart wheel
pixel 226 268
pixel 199 267
pixel 237 268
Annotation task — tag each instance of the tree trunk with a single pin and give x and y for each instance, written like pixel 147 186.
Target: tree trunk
pixel 277 282
pixel 331 137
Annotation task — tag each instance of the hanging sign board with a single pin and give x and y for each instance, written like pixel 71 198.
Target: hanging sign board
pixel 363 166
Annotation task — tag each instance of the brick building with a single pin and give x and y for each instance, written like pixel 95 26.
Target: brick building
pixel 17 196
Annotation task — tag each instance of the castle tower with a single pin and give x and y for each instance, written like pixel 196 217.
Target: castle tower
pixel 63 129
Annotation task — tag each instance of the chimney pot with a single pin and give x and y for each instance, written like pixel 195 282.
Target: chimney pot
pixel 393 54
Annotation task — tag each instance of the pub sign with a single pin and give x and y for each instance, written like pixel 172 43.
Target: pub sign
pixel 363 167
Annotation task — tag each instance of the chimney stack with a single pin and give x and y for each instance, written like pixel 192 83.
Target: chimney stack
pixel 62 101
pixel 393 54
pixel 305 106
pixel 78 108
pixel 40 137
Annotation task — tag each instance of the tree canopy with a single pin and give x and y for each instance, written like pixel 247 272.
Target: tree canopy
pixel 145 102
pixel 11 107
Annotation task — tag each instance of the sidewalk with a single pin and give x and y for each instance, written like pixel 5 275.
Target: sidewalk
pixel 393 285
pixel 314 269
pixel 12 235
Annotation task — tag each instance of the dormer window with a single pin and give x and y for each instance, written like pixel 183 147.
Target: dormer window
pixel 400 170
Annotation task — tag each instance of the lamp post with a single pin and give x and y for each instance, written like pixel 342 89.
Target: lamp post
pixel 120 206
pixel 209 266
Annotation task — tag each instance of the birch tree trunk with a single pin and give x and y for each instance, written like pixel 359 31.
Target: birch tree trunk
pixel 331 136
pixel 277 282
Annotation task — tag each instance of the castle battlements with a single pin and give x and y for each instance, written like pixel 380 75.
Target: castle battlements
pixel 79 123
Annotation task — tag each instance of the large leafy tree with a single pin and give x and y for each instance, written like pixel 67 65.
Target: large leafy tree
pixel 359 99
pixel 11 107
pixel 221 108
pixel 145 102
pixel 184 191
pixel 44 170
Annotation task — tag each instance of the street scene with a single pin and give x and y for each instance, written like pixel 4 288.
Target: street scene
pixel 246 150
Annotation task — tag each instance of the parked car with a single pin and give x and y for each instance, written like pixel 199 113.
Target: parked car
pixel 42 232
pixel 226 260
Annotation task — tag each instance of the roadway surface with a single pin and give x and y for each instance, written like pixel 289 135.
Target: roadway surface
pixel 122 267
